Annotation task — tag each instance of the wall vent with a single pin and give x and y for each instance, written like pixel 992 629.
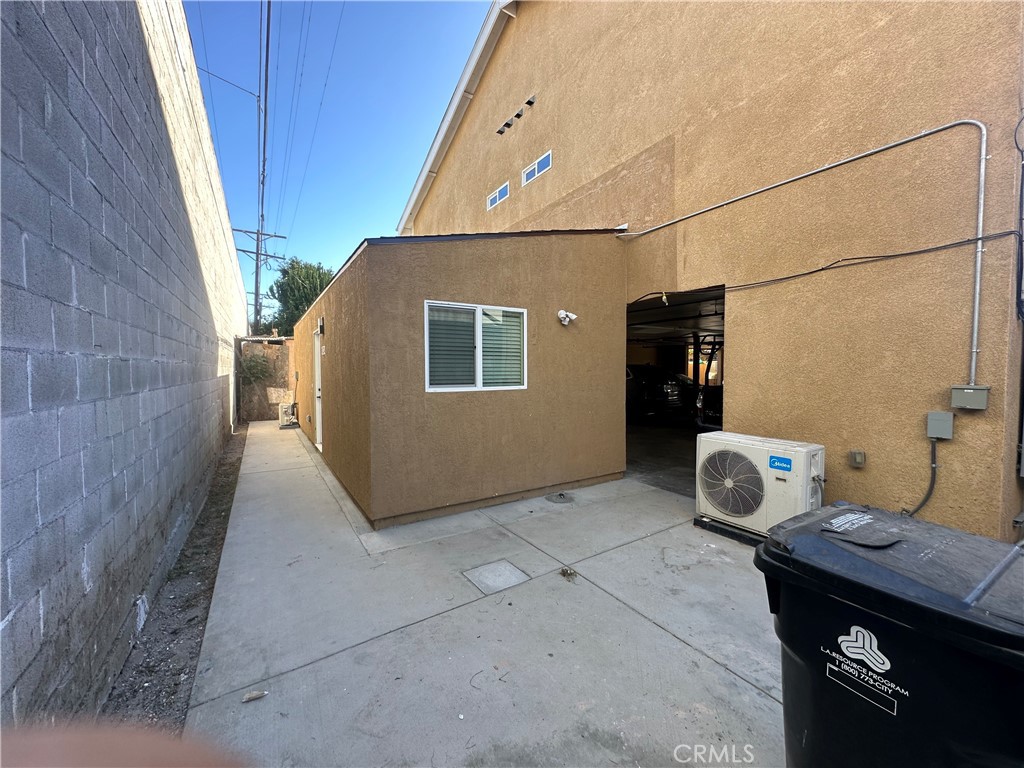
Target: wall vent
pixel 517 116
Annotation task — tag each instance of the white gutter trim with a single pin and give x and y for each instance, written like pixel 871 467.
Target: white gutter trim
pixel 494 22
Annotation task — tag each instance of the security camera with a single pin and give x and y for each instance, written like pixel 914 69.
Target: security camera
pixel 566 317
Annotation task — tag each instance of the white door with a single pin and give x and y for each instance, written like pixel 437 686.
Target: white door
pixel 317 402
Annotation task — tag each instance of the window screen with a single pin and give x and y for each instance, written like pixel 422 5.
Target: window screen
pixel 475 347
pixel 502 337
pixel 451 346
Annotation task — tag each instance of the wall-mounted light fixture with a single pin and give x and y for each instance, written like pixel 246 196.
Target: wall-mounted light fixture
pixel 320 326
pixel 565 317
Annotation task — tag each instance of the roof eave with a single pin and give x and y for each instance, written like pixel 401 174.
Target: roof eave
pixel 494 22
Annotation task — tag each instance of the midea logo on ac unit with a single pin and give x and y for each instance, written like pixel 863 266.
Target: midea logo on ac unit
pixel 863 646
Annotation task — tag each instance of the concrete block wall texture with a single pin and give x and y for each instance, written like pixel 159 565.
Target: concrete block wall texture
pixel 121 297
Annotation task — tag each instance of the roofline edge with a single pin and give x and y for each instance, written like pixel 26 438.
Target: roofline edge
pixel 494 23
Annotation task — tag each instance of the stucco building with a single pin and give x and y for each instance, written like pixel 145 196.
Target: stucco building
pixel 541 407
pixel 575 116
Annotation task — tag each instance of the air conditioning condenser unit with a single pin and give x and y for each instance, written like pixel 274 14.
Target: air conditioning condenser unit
pixel 753 482
pixel 287 415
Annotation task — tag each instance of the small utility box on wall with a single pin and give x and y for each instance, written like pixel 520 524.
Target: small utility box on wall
pixel 971 398
pixel 940 425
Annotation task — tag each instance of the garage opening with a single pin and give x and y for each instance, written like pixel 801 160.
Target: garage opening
pixel 675 370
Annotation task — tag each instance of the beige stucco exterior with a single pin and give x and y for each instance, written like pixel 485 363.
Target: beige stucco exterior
pixel 345 382
pixel 404 453
pixel 654 110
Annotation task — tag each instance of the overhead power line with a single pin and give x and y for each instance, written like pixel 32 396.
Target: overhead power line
pixel 298 74
pixel 206 58
pixel 263 167
pixel 224 79
pixel 277 80
pixel 316 123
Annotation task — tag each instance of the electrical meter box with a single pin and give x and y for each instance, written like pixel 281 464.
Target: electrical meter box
pixel 972 398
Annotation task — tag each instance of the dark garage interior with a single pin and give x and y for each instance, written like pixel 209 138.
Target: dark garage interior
pixel 674 383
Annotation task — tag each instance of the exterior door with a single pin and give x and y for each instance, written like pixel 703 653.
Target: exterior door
pixel 317 401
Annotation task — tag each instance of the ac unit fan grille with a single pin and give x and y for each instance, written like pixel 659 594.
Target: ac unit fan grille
pixel 731 483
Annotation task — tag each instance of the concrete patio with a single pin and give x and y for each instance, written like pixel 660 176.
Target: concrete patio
pixel 376 649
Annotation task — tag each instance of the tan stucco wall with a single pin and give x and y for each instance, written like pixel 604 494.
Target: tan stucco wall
pixel 436 449
pixel 345 386
pixel 403 452
pixel 653 110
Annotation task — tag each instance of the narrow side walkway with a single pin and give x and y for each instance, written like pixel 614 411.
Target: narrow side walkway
pixel 462 641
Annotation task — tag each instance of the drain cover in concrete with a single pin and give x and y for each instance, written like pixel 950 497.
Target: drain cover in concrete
pixel 495 577
pixel 560 498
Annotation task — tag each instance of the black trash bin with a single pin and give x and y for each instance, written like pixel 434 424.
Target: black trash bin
pixel 902 641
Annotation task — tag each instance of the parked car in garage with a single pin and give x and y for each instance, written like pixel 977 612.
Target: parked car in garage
pixel 709 399
pixel 651 390
pixel 709 407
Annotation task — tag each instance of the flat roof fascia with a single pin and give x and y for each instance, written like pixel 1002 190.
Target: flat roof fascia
pixel 409 239
pixel 405 239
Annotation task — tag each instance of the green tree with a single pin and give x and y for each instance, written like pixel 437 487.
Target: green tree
pixel 295 289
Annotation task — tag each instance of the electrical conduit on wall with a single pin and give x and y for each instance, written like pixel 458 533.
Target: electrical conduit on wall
pixel 979 229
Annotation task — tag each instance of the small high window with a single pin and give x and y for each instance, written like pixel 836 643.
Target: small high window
pixel 535 169
pixel 497 196
pixel 471 347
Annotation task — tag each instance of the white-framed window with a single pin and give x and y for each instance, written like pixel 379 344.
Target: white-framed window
pixel 470 347
pixel 536 168
pixel 497 196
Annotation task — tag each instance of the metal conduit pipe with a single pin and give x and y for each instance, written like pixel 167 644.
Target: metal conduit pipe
pixel 979 249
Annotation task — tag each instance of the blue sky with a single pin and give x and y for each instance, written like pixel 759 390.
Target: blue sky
pixel 395 67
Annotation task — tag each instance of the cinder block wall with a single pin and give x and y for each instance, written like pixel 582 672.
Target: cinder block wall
pixel 121 296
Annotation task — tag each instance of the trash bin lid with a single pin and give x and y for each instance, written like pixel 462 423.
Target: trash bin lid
pixel 905 568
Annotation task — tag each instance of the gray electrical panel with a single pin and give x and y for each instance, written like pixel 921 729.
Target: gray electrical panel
pixel 940 425
pixel 972 398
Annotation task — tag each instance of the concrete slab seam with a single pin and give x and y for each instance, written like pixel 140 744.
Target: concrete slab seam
pixel 320 465
pixel 634 610
pixel 627 543
pixel 265 471
pixel 701 651
pixel 595 554
pixel 260 681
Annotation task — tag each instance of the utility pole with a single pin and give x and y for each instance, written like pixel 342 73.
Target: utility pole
pixel 260 233
pixel 262 259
